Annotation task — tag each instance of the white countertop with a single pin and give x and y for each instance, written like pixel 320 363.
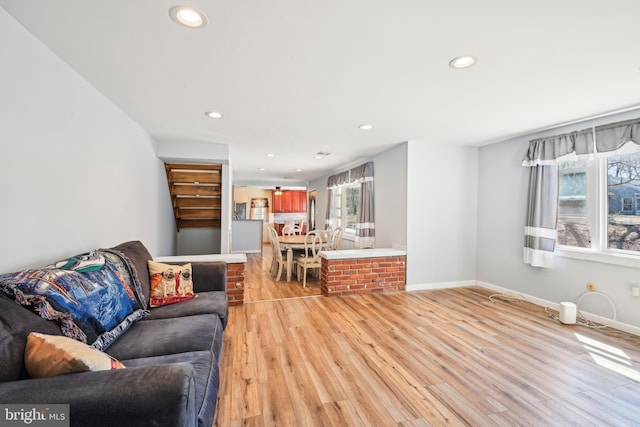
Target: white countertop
pixel 228 258
pixel 362 253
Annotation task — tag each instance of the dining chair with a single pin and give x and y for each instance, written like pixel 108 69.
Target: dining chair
pixel 289 230
pixel 287 227
pixel 278 260
pixel 335 239
pixel 311 257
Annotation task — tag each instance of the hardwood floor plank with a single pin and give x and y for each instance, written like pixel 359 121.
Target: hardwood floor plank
pixel 342 413
pixel 277 407
pixel 442 357
pixel 306 404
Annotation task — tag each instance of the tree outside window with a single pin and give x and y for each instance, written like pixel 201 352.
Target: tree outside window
pixel 345 207
pixel 623 187
pixel 620 216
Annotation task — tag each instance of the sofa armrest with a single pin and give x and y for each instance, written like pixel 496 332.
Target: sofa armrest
pixel 209 276
pixel 162 395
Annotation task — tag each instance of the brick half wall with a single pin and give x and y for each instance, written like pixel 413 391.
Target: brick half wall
pixel 235 283
pixel 349 276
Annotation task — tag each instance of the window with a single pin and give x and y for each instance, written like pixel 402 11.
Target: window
pixel 351 205
pixel 345 207
pixel 623 186
pixel 574 224
pixel 598 205
pixel 352 200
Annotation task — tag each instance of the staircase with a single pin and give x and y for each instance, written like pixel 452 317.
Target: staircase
pixel 195 194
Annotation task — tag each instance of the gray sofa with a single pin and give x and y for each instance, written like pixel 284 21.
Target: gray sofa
pixel 172 358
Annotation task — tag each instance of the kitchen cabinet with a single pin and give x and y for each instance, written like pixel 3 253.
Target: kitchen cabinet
pixel 277 205
pixel 290 201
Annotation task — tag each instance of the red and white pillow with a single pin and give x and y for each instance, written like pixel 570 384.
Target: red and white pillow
pixel 170 283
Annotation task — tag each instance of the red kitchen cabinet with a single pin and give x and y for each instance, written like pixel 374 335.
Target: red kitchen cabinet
pixel 290 201
pixel 287 201
pixel 278 205
pixel 299 201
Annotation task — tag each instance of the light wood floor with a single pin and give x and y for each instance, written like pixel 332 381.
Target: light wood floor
pixel 261 286
pixel 444 357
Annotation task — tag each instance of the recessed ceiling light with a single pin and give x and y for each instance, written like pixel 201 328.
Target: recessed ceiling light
pixel 464 61
pixel 213 114
pixel 262 169
pixel 188 16
pixel 365 127
pixel 298 170
pixel 317 157
pixel 270 155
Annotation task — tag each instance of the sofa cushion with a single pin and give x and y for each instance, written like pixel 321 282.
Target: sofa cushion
pixel 167 336
pixel 16 322
pixel 52 355
pixel 214 302
pixel 169 283
pixel 207 378
pixel 93 296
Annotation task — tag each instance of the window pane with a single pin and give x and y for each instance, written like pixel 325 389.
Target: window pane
pixel 574 227
pixel 352 201
pixel 623 189
pixel 337 208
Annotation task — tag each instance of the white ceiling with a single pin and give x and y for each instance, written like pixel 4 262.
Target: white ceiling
pixel 297 77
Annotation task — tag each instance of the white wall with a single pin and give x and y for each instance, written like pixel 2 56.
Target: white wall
pixel 503 185
pixel 441 213
pixel 77 173
pixel 199 241
pixel 390 188
pixel 391 197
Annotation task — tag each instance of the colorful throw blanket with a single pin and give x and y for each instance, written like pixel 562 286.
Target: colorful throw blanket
pixel 94 296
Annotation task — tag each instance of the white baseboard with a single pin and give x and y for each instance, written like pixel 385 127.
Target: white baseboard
pixel 442 285
pixel 634 330
pixel 625 327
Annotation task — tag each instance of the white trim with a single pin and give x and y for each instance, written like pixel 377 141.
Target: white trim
pixel 228 258
pixel 362 253
pixel 348 235
pixel 605 257
pixel 441 285
pixel 625 327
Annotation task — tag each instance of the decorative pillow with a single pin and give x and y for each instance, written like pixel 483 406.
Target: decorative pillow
pixel 93 296
pixel 169 283
pixel 51 355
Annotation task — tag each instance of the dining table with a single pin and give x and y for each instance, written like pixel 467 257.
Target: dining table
pixel 291 242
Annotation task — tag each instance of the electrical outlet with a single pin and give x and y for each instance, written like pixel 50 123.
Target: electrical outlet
pixel 591 287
